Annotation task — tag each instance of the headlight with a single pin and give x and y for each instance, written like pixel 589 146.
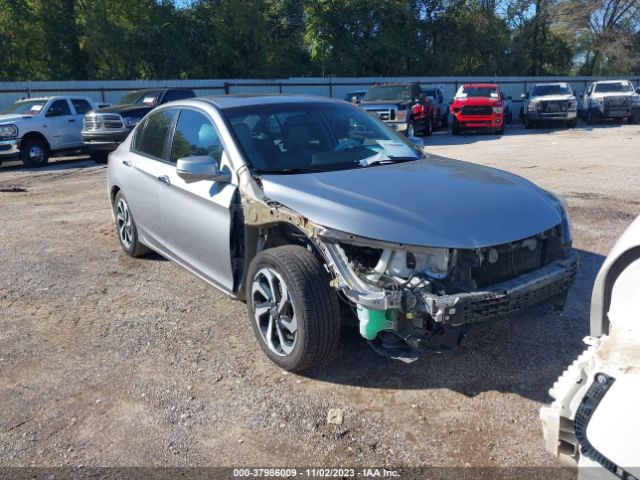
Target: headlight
pixel 401 115
pixel 8 131
pixel 497 109
pixel 131 121
pixel 433 262
pixel 566 222
pixel 533 106
pixel 596 102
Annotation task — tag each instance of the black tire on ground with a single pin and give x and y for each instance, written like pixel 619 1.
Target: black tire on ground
pixel 591 118
pixel 510 117
pixel 455 127
pixel 445 120
pixel 631 119
pixel 34 152
pixel 99 156
pixel 428 129
pixel 528 123
pixel 572 123
pixel 499 131
pixel 126 222
pixel 314 302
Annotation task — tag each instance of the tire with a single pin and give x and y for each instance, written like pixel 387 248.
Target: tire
pixel 528 123
pixel 445 121
pixel 428 130
pixel 573 123
pixel 510 117
pixel 591 118
pixel 311 300
pixel 126 228
pixel 455 128
pixel 499 132
pixel 631 119
pixel 99 156
pixel 34 152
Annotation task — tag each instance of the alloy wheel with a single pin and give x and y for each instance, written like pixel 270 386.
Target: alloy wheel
pixel 273 311
pixel 124 223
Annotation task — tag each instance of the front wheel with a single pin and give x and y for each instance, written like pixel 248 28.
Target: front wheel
pixel 591 117
pixel 455 127
pixel 631 119
pixel 99 156
pixel 34 152
pixel 528 123
pixel 293 309
pixel 572 123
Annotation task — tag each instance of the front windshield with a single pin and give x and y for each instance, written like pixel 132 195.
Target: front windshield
pixel 139 98
pixel 613 87
pixel 29 107
pixel 471 91
pixel 388 92
pixel 542 90
pixel 315 137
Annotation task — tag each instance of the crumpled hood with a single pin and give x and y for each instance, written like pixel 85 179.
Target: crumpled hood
pixel 434 202
pixel 554 98
pixel 13 118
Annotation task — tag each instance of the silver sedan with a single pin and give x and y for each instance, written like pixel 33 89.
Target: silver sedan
pixel 316 213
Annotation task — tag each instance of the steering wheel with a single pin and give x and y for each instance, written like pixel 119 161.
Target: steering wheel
pixel 351 143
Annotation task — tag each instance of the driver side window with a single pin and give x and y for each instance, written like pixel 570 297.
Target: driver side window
pixel 59 108
pixel 195 135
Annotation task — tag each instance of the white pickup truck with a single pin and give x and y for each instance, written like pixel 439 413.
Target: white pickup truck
pixel 615 99
pixel 34 128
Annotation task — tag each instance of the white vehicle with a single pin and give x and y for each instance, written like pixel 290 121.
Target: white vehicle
pixel 33 128
pixel 593 422
pixel 610 99
pixel 550 102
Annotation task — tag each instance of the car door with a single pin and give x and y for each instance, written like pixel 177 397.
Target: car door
pixel 195 218
pixel 59 122
pixel 143 166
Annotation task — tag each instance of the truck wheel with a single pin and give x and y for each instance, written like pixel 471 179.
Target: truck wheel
pixel 445 120
pixel 99 156
pixel 293 309
pixel 126 226
pixel 34 152
pixel 572 123
pixel 631 119
pixel 528 123
pixel 455 127
pixel 429 128
pixel 591 117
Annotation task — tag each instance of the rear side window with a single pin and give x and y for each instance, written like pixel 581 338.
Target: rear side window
pixel 172 95
pixel 152 139
pixel 195 135
pixel 81 106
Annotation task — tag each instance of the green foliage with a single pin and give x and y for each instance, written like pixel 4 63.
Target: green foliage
pixel 161 39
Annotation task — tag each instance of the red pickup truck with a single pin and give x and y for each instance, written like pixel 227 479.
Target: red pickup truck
pixel 478 106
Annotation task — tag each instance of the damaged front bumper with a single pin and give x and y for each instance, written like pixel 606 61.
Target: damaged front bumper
pixel 549 282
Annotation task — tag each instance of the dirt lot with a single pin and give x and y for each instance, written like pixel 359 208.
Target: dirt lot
pixel 108 360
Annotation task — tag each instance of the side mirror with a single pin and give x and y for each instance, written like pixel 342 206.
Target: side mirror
pixel 418 142
pixel 197 168
pixel 525 95
pixel 638 90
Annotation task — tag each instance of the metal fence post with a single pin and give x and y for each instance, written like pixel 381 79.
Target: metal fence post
pixel 330 88
pixel 226 88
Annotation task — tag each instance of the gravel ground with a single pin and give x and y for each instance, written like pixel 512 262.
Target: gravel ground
pixel 112 361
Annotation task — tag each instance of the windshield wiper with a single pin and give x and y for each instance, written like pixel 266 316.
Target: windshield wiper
pixel 390 160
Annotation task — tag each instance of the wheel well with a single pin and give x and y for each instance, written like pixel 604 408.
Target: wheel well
pixel 37 135
pixel 114 191
pixel 258 239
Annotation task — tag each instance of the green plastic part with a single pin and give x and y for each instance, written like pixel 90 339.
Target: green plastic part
pixel 373 322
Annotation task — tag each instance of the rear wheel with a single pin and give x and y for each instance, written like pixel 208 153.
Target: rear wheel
pixel 99 156
pixel 528 123
pixel 127 230
pixel 34 152
pixel 455 127
pixel 293 309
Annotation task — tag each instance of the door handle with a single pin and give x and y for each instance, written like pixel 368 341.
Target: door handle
pixel 73 120
pixel 126 163
pixel 164 179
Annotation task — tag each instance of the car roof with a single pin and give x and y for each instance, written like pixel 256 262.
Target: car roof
pixel 564 84
pixel 52 97
pixel 245 100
